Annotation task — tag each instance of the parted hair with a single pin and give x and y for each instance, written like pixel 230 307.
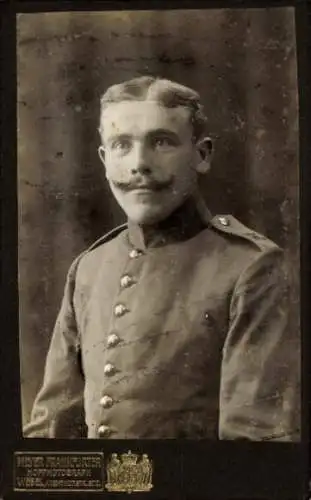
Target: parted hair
pixel 166 92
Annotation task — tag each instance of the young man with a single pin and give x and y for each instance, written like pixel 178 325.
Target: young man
pixel 174 324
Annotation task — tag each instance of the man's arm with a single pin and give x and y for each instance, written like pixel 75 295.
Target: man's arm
pixel 260 391
pixel 58 411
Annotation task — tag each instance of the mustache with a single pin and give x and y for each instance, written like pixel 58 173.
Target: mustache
pixel 153 184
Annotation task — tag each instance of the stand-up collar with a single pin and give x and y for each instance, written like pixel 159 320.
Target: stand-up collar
pixel 183 224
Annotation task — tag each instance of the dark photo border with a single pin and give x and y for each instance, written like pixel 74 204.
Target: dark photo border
pixel 185 470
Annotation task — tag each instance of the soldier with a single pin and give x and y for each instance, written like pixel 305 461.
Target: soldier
pixel 146 469
pixel 174 324
pixel 112 469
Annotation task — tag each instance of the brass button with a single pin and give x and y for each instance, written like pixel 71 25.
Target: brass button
pixel 104 430
pixel 223 221
pixel 113 340
pixel 109 369
pixel 106 401
pixel 126 281
pixel 120 310
pixel 134 253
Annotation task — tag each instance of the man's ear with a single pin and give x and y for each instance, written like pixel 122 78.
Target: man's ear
pixel 205 151
pixel 101 152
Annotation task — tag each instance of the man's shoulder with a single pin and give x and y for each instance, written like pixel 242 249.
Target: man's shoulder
pixel 235 232
pixel 91 257
pixel 106 238
pixel 240 249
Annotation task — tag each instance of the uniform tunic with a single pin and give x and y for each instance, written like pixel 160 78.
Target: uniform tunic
pixel 178 331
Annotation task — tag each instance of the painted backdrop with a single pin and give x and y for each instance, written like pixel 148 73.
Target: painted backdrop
pixel 241 61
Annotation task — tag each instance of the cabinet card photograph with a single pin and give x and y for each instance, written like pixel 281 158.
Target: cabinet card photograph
pixel 158 205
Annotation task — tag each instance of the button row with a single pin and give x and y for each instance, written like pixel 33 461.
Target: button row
pixel 109 369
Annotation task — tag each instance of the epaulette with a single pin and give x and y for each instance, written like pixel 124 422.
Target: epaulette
pixel 107 237
pixel 231 226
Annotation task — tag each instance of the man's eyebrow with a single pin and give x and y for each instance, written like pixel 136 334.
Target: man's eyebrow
pixel 150 134
pixel 113 137
pixel 161 131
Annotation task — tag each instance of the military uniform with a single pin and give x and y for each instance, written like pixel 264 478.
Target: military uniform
pixel 175 332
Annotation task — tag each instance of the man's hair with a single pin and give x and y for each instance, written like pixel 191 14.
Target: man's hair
pixel 166 92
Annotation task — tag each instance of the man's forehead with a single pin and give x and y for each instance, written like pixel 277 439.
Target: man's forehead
pixel 148 113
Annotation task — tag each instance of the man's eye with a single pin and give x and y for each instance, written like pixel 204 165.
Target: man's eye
pixel 163 142
pixel 121 145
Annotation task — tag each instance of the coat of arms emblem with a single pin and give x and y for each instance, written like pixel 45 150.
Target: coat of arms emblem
pixel 129 473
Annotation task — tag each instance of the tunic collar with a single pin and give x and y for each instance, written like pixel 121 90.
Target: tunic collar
pixel 183 224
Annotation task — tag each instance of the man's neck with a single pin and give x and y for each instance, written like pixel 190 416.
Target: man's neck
pixel 184 223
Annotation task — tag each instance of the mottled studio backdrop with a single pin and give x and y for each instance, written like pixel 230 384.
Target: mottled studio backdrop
pixel 243 63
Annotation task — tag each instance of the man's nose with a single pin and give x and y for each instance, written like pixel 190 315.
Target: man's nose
pixel 141 163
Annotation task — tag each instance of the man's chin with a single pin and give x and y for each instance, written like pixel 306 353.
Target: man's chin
pixel 145 217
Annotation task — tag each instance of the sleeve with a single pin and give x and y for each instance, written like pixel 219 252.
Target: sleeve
pixel 58 408
pixel 260 373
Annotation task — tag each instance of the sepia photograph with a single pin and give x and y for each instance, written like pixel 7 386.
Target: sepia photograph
pixel 158 224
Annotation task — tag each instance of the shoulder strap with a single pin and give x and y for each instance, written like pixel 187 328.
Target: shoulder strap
pixel 231 226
